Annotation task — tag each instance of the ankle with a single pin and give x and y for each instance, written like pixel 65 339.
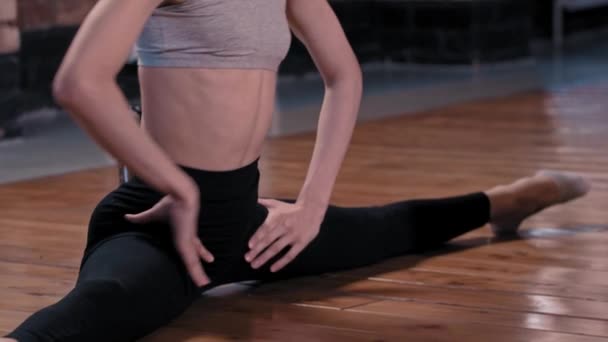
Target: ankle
pixel 503 201
pixel 523 197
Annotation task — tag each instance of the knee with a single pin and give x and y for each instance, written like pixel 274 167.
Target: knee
pixel 100 291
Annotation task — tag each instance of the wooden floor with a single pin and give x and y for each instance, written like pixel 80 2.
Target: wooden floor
pixel 550 285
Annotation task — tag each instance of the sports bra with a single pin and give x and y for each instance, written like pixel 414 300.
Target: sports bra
pixel 249 34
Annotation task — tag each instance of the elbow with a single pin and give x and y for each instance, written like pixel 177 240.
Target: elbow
pixel 71 89
pixel 358 80
pixel 66 88
pixel 348 77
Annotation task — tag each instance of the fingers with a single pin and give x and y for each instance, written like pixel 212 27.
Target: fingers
pixel 266 227
pixel 203 252
pixel 189 246
pixel 294 251
pixel 264 237
pixel 270 252
pixel 156 213
pixel 190 255
pixel 268 202
pixel 143 217
pixel 262 233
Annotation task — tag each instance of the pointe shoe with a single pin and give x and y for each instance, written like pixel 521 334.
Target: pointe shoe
pixel 570 185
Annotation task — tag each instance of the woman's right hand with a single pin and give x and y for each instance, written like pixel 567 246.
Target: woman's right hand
pixel 182 213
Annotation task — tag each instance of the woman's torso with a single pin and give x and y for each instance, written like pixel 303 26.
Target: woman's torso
pixel 208 117
pixel 208 78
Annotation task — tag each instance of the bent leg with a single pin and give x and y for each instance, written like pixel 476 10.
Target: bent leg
pixel 127 288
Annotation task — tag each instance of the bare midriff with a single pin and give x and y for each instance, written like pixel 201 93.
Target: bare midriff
pixel 210 119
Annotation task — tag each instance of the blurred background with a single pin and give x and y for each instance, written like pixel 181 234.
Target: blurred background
pixel 416 55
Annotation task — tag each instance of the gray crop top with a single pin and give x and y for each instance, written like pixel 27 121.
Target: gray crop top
pixel 250 34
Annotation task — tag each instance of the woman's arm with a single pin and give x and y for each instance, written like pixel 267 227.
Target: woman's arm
pixel 86 87
pixel 294 226
pixel 315 24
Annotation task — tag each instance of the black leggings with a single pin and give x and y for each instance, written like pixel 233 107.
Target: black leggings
pixel 132 281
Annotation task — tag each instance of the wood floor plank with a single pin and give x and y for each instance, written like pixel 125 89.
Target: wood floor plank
pixel 249 315
pixel 529 320
pixel 313 292
pixel 480 283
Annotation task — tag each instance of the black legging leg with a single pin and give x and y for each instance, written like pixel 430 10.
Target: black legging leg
pixel 130 285
pixel 127 288
pixel 354 237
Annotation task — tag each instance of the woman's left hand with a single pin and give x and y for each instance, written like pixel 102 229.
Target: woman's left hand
pixel 287 225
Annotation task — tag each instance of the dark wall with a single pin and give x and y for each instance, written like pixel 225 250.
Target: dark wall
pixel 430 31
pixel 447 32
pixel 594 18
pixel 407 31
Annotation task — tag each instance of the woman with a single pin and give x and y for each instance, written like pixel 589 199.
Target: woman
pixel 208 77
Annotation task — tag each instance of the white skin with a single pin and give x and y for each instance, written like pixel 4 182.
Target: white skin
pixel 228 134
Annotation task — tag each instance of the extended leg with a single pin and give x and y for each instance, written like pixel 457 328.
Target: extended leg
pixel 353 237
